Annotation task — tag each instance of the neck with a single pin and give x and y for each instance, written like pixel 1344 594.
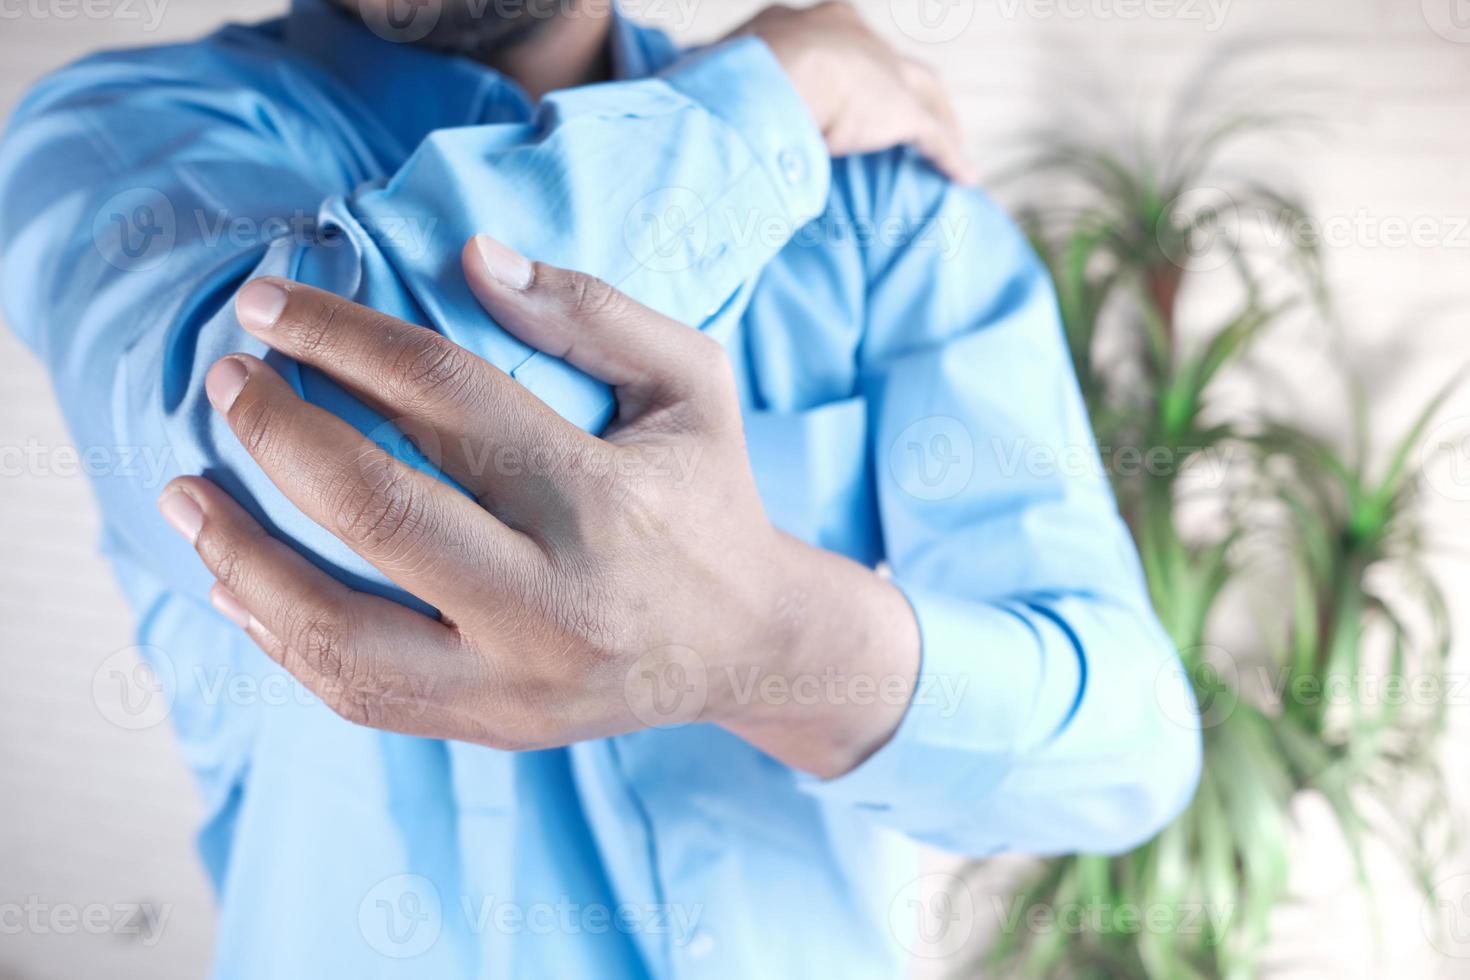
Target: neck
pixel 572 50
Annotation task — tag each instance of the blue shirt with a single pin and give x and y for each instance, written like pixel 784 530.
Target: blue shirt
pixel 908 401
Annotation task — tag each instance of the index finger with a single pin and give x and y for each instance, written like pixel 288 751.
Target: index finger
pixel 411 373
pixel 422 533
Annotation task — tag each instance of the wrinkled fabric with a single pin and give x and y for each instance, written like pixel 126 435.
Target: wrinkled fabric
pixel 908 401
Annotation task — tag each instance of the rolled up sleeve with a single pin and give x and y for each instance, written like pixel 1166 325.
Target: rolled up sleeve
pixel 1050 714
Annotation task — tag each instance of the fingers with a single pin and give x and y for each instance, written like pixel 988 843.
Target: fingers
pixel 939 137
pixel 939 148
pixel 650 359
pixel 368 658
pixel 461 409
pixel 420 532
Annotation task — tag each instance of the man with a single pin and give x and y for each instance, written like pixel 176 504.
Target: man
pixel 593 591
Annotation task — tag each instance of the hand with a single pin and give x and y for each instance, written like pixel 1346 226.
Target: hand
pixel 863 95
pixel 580 572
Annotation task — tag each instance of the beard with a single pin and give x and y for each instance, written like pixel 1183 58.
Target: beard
pixel 473 28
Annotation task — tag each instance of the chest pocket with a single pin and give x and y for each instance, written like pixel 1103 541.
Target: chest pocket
pixel 814 472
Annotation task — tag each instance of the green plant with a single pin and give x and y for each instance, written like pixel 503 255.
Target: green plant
pixel 1142 226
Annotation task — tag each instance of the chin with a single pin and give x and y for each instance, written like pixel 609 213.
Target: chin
pixel 472 27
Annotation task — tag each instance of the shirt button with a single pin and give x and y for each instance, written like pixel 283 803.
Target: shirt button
pixel 701 945
pixel 793 165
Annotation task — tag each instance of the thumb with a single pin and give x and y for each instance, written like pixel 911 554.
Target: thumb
pixel 587 323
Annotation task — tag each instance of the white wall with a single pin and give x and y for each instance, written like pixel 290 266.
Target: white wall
pixel 95 813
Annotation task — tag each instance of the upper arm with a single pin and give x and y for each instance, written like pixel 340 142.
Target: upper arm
pixel 983 439
pixel 1068 728
pixel 139 191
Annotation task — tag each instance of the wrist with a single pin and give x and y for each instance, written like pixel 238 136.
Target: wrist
pixel 834 668
pixel 808 70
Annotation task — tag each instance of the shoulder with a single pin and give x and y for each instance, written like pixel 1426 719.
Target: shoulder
pixel 239 79
pixel 233 99
pixel 899 203
pixel 900 258
pixel 235 57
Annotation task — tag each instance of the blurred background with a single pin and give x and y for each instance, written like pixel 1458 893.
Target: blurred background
pixel 1259 219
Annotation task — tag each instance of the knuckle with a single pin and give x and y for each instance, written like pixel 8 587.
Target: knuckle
pixel 709 357
pixel 348 707
pixel 432 368
pixel 527 733
pixel 254 421
pixel 710 380
pixel 361 702
pixel 315 328
pixel 380 510
pixel 505 738
pixel 321 642
pixel 920 69
pixel 601 632
pixel 923 78
pixel 535 717
pixel 590 298
pixel 225 560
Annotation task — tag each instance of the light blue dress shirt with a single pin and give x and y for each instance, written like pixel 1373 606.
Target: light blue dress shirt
pixel 908 400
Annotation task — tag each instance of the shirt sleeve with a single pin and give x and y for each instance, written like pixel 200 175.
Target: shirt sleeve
pixel 1050 714
pixel 140 190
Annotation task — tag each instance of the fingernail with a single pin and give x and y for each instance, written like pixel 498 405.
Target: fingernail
pixel 259 305
pixel 223 383
pixel 181 511
pixel 231 608
pixel 508 267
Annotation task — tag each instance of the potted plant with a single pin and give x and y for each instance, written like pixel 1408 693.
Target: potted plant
pixel 1135 229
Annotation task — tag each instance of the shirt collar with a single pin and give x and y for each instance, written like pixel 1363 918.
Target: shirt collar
pixel 415 91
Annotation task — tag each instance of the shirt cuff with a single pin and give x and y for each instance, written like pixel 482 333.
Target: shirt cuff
pixel 742 83
pixel 995 680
